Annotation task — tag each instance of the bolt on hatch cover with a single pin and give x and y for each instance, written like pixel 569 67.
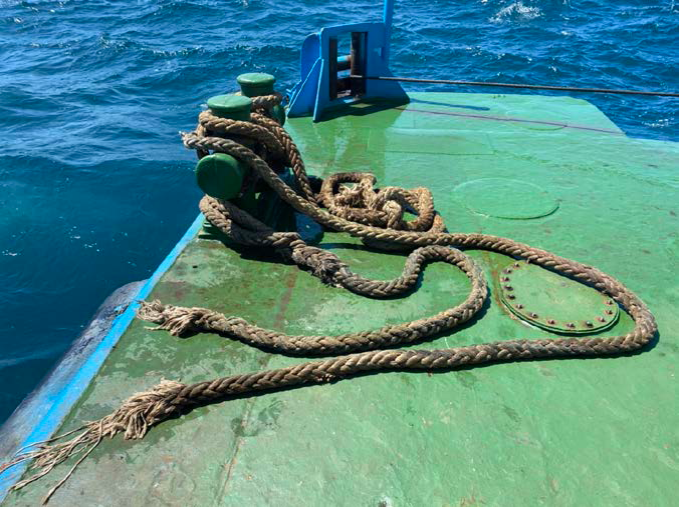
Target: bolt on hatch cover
pixel 554 302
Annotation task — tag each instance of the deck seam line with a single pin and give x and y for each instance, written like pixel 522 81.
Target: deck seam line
pixel 239 442
pixel 278 320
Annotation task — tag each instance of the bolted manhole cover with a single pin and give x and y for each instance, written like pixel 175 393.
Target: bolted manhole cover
pixel 554 302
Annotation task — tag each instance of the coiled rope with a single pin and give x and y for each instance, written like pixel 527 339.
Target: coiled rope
pixel 377 217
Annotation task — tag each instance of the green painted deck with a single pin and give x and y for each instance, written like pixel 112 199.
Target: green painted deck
pixel 556 433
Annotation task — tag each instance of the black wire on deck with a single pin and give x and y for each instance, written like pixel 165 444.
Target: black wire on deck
pixel 517 85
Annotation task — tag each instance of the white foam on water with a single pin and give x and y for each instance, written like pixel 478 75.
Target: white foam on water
pixel 516 11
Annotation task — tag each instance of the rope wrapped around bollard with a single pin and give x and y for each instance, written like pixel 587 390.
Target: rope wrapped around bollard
pixel 377 217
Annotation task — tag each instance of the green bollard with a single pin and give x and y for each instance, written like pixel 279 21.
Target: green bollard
pixel 255 84
pixel 235 107
pixel 220 175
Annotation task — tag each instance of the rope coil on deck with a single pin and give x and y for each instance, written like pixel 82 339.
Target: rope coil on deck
pixel 376 217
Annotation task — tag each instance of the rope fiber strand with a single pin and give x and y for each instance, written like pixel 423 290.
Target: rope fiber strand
pixel 346 202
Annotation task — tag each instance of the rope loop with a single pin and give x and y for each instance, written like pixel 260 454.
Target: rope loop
pixel 349 203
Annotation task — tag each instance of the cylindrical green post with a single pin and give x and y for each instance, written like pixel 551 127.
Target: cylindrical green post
pixel 235 107
pixel 220 175
pixel 255 84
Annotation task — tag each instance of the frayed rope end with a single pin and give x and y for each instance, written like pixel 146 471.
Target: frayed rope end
pixel 178 320
pixel 134 417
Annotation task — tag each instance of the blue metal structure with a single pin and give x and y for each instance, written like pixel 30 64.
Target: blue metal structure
pixel 323 88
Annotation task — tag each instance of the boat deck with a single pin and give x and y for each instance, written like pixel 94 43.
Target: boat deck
pixel 560 432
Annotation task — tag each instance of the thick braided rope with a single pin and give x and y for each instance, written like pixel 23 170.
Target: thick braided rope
pixel 645 325
pixel 265 103
pixel 215 125
pixel 265 130
pixel 247 230
pixel 181 321
pixel 355 211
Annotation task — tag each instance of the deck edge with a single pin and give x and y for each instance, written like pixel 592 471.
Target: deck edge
pixel 66 398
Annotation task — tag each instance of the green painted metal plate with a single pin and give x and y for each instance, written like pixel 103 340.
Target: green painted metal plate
pixel 601 431
pixel 555 302
pixel 506 198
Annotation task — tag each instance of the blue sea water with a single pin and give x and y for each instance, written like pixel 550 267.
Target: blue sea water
pixel 95 187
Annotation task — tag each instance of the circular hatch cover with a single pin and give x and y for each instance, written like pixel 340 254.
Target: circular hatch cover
pixel 554 302
pixel 506 198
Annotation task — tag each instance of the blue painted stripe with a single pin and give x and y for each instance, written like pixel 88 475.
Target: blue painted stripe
pixel 71 392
